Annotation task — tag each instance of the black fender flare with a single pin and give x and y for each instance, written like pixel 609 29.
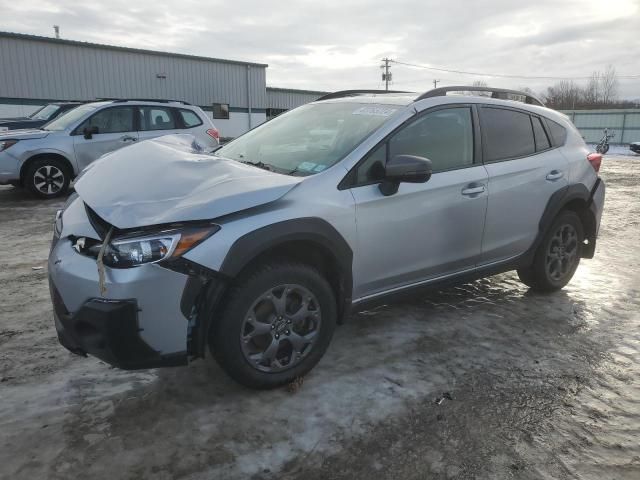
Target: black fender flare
pixel 306 229
pixel 559 200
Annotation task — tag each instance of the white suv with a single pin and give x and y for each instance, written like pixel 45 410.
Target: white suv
pixel 45 160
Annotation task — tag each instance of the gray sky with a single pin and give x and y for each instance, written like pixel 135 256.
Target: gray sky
pixel 329 45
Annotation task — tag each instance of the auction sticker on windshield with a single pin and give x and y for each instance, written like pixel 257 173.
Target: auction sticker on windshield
pixel 375 110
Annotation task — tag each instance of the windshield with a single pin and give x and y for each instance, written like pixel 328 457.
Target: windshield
pixel 45 113
pixel 69 118
pixel 310 138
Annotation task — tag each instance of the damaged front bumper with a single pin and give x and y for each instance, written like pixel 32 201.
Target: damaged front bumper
pixel 147 316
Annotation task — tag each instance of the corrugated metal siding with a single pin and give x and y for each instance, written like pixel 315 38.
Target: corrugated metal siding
pixel 43 69
pixel 625 123
pixel 287 99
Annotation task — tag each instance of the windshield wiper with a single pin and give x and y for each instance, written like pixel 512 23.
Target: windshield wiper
pixel 262 165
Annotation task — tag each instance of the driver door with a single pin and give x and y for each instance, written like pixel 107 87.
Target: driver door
pixel 425 230
pixel 115 129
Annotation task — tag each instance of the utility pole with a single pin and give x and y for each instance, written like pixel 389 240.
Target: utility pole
pixel 386 76
pixel 435 83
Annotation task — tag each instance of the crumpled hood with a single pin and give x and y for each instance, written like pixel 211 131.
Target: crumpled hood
pixel 23 134
pixel 167 180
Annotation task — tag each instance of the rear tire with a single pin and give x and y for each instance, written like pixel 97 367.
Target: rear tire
pixel 47 178
pixel 275 326
pixel 557 256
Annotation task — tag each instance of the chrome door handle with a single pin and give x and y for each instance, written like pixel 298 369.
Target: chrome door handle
pixel 473 189
pixel 555 175
pixel 127 138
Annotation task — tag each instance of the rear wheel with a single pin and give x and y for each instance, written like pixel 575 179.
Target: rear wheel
pixel 47 177
pixel 558 255
pixel 276 325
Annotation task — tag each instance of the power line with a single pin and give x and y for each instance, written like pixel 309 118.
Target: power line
pixel 500 75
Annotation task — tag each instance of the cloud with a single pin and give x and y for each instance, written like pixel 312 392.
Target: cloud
pixel 337 44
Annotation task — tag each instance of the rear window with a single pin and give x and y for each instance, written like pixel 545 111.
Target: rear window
pixel 189 118
pixel 558 133
pixel 507 134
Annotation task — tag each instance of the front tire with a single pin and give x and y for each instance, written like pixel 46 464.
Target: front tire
pixel 557 256
pixel 47 178
pixel 275 326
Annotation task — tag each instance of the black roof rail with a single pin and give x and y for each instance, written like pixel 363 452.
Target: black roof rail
pixel 353 93
pixel 495 93
pixel 159 100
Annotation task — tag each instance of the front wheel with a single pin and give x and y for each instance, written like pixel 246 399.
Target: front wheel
pixel 276 325
pixel 47 178
pixel 558 255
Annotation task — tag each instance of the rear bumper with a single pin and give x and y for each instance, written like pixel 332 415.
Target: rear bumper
pixel 108 330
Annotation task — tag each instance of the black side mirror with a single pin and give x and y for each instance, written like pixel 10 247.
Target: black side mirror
pixel 89 132
pixel 405 168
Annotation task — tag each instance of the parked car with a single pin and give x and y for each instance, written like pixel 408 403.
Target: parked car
pixel 46 160
pixel 38 118
pixel 260 249
pixel 635 147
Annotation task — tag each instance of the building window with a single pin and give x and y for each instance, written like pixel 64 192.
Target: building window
pixel 221 111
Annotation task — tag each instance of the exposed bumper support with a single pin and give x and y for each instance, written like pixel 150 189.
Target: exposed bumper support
pixel 108 330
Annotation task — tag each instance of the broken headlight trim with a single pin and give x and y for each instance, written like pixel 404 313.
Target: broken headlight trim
pixel 138 249
pixel 4 144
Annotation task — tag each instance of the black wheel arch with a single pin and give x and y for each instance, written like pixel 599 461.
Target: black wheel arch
pixel 576 198
pixel 309 240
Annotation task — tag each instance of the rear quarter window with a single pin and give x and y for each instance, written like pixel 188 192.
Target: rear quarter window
pixel 558 133
pixel 189 118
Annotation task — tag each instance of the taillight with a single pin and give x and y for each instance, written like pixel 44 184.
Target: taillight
pixel 595 159
pixel 214 133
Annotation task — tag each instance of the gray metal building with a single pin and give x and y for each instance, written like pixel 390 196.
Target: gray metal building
pixel 280 100
pixel 37 70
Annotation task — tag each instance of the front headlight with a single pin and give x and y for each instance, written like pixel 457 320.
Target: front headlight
pixel 136 249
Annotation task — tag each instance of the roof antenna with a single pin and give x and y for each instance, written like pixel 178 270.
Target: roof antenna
pixel 56 29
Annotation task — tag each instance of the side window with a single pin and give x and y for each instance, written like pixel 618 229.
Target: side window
pixel 558 133
pixel 156 118
pixel 542 142
pixel 371 170
pixel 507 134
pixel 189 118
pixel 110 120
pixel 444 136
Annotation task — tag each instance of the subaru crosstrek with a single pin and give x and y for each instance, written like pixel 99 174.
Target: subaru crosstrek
pixel 259 249
pixel 45 160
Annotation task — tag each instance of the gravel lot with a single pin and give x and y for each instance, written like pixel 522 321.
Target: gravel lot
pixel 486 380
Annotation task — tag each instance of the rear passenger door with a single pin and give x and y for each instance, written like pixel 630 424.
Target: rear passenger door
pixel 524 171
pixel 156 121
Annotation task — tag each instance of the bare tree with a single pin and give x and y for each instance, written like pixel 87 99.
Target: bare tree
pixel 481 84
pixel 564 95
pixel 609 85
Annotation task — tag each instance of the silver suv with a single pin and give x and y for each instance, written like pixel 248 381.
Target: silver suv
pixel 45 160
pixel 261 248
